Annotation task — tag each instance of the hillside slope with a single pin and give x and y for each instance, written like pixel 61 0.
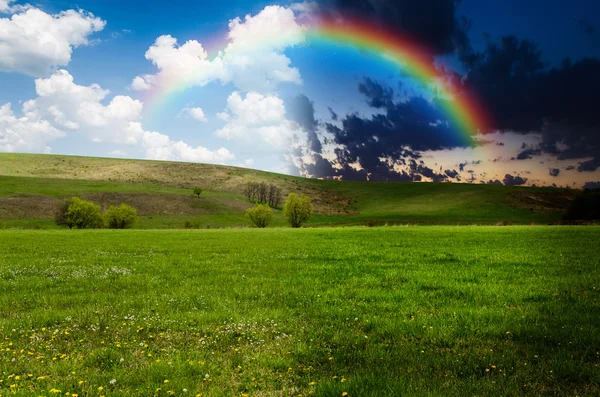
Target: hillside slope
pixel 31 186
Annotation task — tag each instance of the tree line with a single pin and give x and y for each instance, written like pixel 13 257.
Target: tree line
pixel 263 193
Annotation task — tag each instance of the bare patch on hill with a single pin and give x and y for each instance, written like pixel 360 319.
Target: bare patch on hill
pixel 551 201
pixel 167 204
pixel 326 202
pixel 27 207
pixel 44 207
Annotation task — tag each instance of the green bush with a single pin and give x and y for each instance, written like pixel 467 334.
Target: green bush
pixel 297 209
pixel 191 225
pixel 197 191
pixel 121 217
pixel 82 214
pixel 260 216
pixel 60 217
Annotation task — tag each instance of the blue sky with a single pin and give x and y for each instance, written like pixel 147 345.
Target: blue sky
pixel 89 103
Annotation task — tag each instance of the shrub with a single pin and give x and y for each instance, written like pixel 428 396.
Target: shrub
pixel 297 209
pixel 372 222
pixel 121 217
pixel 260 216
pixel 192 225
pixel 83 214
pixel 60 217
pixel 197 191
pixel 586 206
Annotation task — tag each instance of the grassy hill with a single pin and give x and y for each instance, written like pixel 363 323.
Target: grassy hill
pixel 31 187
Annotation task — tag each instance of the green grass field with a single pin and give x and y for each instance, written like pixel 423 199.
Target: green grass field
pixel 33 186
pixel 386 311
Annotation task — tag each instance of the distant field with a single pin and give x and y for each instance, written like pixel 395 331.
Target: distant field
pixel 370 312
pixel 32 186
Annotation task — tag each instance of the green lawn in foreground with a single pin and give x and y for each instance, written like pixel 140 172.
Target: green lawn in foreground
pixel 371 312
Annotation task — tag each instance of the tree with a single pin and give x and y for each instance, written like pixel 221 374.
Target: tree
pixel 197 191
pixel 260 216
pixel 83 214
pixel 297 209
pixel 121 217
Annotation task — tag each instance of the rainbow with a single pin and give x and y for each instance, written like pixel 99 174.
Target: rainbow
pixel 461 107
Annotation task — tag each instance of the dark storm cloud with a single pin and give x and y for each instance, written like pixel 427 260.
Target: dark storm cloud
pixel 377 95
pixel 451 173
pixel 301 110
pixel 414 123
pixel 515 180
pixel 321 168
pixel 554 171
pixel 589 166
pixel 398 134
pixel 528 153
pixel 524 95
pixel 433 23
pixel 494 182
pixel 421 169
pixel 333 115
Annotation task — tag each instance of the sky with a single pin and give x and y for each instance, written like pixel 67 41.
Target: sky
pixel 502 92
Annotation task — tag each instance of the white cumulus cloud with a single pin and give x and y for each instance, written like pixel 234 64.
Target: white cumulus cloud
pixel 259 118
pixel 70 106
pixel 34 42
pixel 253 59
pixel 141 84
pixel 63 107
pixel 195 113
pixel 7 8
pixel 161 147
pixel 25 134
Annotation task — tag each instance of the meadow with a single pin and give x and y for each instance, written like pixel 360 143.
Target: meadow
pixel 386 311
pixel 33 186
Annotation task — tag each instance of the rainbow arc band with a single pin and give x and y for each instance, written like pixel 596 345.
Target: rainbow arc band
pixel 462 108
